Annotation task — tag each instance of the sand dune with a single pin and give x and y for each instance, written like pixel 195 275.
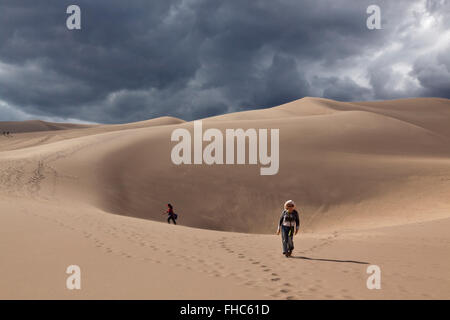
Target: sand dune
pixel 37 133
pixel 332 163
pixel 37 125
pixel 371 180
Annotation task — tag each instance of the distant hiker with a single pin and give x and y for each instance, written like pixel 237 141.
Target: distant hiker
pixel 171 215
pixel 288 225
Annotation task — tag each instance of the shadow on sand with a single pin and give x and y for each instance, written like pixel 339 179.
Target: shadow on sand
pixel 329 260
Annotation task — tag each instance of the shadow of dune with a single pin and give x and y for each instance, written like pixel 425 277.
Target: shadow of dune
pixel 329 260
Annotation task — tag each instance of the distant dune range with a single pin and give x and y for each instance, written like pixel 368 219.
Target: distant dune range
pixel 371 180
pixel 348 165
pixel 37 125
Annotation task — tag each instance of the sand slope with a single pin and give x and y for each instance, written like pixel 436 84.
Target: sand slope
pixel 366 175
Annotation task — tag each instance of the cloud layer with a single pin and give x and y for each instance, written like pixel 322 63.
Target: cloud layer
pixel 139 59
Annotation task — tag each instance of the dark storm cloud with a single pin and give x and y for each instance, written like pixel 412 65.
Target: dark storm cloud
pixel 434 74
pixel 139 59
pixel 342 89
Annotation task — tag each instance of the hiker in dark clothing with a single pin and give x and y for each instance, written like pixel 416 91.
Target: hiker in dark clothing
pixel 288 225
pixel 171 215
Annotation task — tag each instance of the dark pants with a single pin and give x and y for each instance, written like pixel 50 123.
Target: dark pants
pixel 173 219
pixel 287 236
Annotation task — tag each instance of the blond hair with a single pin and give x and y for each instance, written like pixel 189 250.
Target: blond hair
pixel 289 202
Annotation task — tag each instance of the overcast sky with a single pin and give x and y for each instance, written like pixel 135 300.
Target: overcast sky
pixel 140 59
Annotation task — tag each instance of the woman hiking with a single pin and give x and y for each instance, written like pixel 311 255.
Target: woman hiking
pixel 172 215
pixel 288 225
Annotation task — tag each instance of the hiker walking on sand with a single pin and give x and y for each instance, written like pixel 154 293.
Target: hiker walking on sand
pixel 172 215
pixel 288 225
